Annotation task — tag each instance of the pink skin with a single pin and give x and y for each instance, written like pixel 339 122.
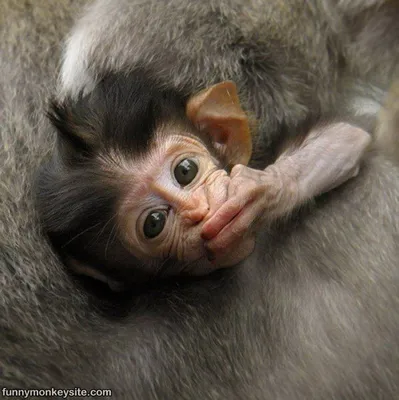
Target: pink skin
pixel 217 215
pixel 190 206
pixel 253 196
pixel 329 156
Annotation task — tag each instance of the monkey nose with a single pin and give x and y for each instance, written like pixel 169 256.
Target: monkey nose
pixel 195 215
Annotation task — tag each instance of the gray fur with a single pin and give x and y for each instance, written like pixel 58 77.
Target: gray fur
pixel 279 53
pixel 387 131
pixel 314 315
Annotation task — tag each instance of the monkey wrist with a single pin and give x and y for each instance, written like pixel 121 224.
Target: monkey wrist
pixel 285 183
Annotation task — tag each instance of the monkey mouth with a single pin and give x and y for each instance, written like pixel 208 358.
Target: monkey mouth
pixel 217 223
pixel 218 234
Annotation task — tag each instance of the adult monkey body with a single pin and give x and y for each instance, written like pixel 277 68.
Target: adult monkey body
pixel 319 322
pixel 273 64
pixel 388 123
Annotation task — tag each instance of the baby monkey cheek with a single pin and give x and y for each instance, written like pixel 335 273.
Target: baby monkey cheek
pixel 190 247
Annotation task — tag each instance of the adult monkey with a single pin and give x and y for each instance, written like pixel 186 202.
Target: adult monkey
pixel 320 321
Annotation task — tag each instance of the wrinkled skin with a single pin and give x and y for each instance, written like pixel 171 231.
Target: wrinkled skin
pixel 328 156
pixel 188 208
pixel 216 216
pixel 253 197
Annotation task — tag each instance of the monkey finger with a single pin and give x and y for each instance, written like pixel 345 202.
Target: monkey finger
pixel 244 186
pixel 217 193
pixel 234 231
pixel 246 194
pixel 221 218
pixel 240 170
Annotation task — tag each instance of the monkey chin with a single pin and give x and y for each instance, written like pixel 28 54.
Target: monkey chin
pixel 229 257
pixel 234 254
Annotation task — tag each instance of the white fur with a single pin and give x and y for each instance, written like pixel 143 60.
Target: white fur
pixel 365 106
pixel 75 76
pixel 365 100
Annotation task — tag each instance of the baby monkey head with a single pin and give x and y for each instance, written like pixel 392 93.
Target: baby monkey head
pixel 137 171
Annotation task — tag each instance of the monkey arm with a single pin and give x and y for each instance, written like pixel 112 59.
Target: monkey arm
pixel 327 157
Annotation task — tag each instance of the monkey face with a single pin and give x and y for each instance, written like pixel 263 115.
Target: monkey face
pixel 139 171
pixel 173 191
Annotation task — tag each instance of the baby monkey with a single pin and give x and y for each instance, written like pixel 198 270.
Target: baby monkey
pixel 147 183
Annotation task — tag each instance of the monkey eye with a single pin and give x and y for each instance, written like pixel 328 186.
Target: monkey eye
pixel 186 171
pixel 154 224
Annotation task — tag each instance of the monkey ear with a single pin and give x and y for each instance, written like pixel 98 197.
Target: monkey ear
pixel 217 111
pixel 71 126
pixel 84 269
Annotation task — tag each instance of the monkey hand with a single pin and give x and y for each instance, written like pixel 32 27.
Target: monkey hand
pixel 254 197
